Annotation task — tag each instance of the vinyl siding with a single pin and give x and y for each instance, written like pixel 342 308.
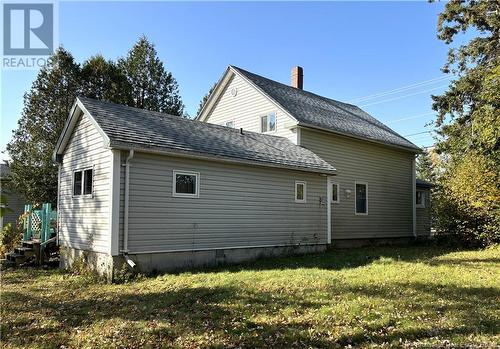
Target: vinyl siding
pixel 246 109
pixel 239 206
pixel 388 173
pixel 424 216
pixel 15 204
pixel 84 221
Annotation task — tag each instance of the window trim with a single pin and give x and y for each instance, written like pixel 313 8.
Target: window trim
pixel 175 194
pixel 304 200
pixel 82 170
pixel 355 198
pixel 275 122
pixel 423 195
pixel 338 192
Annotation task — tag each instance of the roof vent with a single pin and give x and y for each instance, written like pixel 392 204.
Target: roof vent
pixel 241 130
pixel 298 77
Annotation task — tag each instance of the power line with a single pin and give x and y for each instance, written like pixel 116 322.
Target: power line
pixel 410 117
pixel 418 133
pixel 404 96
pixel 403 88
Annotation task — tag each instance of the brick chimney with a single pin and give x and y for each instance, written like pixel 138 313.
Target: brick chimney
pixel 298 77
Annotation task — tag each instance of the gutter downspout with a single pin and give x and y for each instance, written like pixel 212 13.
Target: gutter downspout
pixel 126 209
pixel 414 197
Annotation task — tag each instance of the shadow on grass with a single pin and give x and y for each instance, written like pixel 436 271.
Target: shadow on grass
pixel 236 315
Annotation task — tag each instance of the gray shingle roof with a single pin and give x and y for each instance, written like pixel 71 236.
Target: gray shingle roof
pixel 423 184
pixel 316 111
pixel 141 129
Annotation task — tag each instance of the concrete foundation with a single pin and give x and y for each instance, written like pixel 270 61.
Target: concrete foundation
pixel 148 263
pixel 396 241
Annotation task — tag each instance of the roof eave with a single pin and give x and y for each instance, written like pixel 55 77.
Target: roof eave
pixel 211 157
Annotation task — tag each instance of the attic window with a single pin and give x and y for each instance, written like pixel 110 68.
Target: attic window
pixel 268 123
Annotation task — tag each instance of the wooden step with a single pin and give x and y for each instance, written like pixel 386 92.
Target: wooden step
pixel 15 257
pixel 5 263
pixel 25 251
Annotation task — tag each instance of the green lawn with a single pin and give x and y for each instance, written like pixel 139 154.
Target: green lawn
pixel 393 296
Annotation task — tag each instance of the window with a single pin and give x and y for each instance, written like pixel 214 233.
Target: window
pixel 361 198
pixel 300 191
pixel 420 199
pixel 229 124
pixel 268 123
pixel 335 193
pixel 186 184
pixel 83 182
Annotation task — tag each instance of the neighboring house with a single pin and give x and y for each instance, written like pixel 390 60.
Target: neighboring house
pixel 15 201
pixel 423 203
pixel 163 192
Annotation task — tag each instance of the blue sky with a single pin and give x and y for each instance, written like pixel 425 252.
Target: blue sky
pixel 348 50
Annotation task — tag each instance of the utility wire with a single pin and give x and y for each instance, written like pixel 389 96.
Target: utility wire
pixel 418 133
pixel 404 96
pixel 401 89
pixel 410 117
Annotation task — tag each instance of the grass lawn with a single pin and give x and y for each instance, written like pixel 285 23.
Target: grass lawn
pixel 397 296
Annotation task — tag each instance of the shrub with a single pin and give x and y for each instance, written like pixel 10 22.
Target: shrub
pixel 10 237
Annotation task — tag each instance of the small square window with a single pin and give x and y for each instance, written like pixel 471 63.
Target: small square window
pixel 268 123
pixel 186 184
pixel 335 193
pixel 300 191
pixel 361 198
pixel 83 182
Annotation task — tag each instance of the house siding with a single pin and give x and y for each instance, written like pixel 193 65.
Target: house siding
pixel 424 216
pixel 247 107
pixel 15 204
pixel 238 206
pixel 84 221
pixel 388 173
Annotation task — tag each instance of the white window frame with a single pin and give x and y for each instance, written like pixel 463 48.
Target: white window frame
pixel 304 199
pixel 82 170
pixel 355 198
pixel 338 192
pixel 175 194
pixel 226 122
pixel 423 196
pixel 275 122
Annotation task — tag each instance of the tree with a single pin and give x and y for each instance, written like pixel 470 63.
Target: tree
pixel 205 99
pixel 153 88
pixel 425 167
pixel 102 79
pixel 46 107
pixel 468 121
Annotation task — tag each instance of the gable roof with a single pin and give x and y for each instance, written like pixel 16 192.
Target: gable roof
pixel 312 110
pixel 143 130
pixel 421 183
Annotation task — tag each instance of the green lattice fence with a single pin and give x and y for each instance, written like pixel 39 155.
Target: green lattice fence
pixel 40 223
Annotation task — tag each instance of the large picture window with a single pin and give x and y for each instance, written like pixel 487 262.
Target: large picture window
pixel 186 184
pixel 83 182
pixel 361 198
pixel 268 123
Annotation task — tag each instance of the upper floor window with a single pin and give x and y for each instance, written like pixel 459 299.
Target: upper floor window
pixel 268 123
pixel 361 198
pixel 186 184
pixel 335 193
pixel 420 198
pixel 229 124
pixel 83 182
pixel 300 191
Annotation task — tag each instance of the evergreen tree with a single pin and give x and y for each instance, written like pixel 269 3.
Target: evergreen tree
pixel 205 99
pixel 103 80
pixel 425 167
pixel 153 88
pixel 46 108
pixel 469 122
